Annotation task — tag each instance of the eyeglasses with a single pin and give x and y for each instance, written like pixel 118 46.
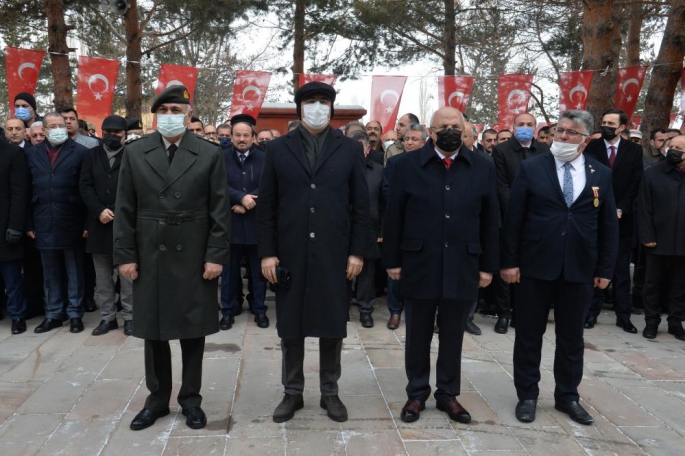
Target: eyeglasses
pixel 569 133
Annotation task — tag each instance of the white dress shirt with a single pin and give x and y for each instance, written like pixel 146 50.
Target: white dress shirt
pixel 608 145
pixel 167 143
pixel 577 174
pixel 443 156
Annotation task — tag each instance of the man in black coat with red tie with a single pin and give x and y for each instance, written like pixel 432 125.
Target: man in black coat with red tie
pixel 441 238
pixel 559 240
pixel 625 160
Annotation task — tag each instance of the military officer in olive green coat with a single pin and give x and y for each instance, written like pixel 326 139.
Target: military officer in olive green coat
pixel 171 236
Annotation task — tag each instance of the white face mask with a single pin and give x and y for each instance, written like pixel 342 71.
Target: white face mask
pixel 171 125
pixel 315 114
pixel 57 136
pixel 388 143
pixel 564 151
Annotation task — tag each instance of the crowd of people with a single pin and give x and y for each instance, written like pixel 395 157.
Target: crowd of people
pixel 437 216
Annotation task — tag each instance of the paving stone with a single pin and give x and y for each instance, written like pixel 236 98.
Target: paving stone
pixel 148 442
pixel 647 367
pixel 104 399
pixel 25 434
pixel 76 438
pixel 486 431
pixel 313 443
pixel 262 446
pixel 438 448
pixel 206 446
pixel 670 410
pixel 616 407
pixel 13 395
pixel 548 440
pixel 373 442
pixel 656 441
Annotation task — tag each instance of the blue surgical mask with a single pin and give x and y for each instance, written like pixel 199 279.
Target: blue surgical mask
pixel 171 125
pixel 22 113
pixel 523 134
pixel 57 136
pixel 225 142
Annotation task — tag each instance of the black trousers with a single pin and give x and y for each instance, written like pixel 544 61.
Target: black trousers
pixel 33 279
pixel 292 374
pixel 571 302
pixel 496 296
pixel 365 287
pixel 659 270
pixel 420 317
pixel 158 373
pixel 620 283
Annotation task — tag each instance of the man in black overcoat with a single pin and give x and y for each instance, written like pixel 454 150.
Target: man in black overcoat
pixel 313 222
pixel 440 238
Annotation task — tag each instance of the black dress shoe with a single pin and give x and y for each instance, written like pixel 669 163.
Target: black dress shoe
pixel 454 410
pixel 650 332
pixel 226 322
pixel 590 322
pixel 105 326
pixel 147 418
pixel 366 320
pixel 195 417
pixel 287 408
pixel 262 320
pixel 472 328
pixel 89 305
pixel 575 411
pixel 18 325
pixel 412 410
pixel 128 327
pixel 335 408
pixel 525 410
pixel 47 325
pixel 75 325
pixel 502 325
pixel 626 324
pixel 677 331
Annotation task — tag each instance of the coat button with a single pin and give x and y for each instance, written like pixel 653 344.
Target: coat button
pixel 447 215
pixel 179 247
pixel 162 222
pixel 312 235
pixel 162 195
pixel 162 247
pixel 312 210
pixel 244 173
pixel 447 244
pixel 447 187
pixel 177 195
pixel 563 233
pixel 313 186
pixel 108 191
pixel 109 176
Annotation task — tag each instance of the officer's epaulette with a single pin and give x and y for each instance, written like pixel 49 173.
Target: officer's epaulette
pixel 130 140
pixel 213 141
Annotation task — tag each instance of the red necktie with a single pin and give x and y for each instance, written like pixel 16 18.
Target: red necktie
pixel 447 161
pixel 612 156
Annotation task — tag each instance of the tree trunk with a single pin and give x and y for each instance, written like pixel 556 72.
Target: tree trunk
pixel 299 43
pixel 134 54
pixel 634 27
pixel 666 72
pixel 601 45
pixel 449 62
pixel 59 53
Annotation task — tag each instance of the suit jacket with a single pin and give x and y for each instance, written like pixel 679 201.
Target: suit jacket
pixel 546 239
pixel 374 180
pixel 15 194
pixel 508 157
pixel 626 176
pixel 243 181
pixel 98 187
pixel 441 226
pixel 312 220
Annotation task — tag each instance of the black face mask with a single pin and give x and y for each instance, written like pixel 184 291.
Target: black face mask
pixel 674 157
pixel 113 142
pixel 608 133
pixel 448 139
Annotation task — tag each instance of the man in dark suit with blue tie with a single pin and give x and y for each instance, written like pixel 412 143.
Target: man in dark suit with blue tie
pixel 560 239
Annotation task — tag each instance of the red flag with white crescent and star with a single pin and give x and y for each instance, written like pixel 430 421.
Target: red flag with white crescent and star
pixel 628 86
pixel 23 66
pixel 386 94
pixel 97 79
pixel 574 87
pixel 454 91
pixel 249 91
pixel 310 77
pixel 513 97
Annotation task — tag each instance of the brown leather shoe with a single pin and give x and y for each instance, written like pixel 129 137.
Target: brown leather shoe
pixel 412 410
pixel 455 411
pixel 394 321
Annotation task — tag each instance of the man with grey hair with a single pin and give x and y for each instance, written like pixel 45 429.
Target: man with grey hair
pixel 559 242
pixel 36 133
pixel 353 126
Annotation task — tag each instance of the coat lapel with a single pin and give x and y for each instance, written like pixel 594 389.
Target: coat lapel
pixel 185 156
pixel 155 154
pixel 551 168
pixel 620 153
pixel 294 144
pixel 66 150
pixel 590 181
pixel 333 142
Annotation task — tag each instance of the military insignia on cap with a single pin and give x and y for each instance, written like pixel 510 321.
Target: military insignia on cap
pixel 186 95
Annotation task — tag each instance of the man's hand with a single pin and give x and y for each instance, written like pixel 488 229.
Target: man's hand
pixel 485 278
pixel 269 268
pixel 354 266
pixel 238 209
pixel 650 245
pixel 619 213
pixel 31 234
pixel 129 270
pixel 379 240
pixel 212 271
pixel 395 273
pixel 85 234
pixel 511 275
pixel 249 201
pixel 106 216
pixel 601 283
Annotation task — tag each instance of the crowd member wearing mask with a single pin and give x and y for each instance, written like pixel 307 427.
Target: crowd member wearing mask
pixel 98 186
pixel 25 108
pixel 661 230
pixel 443 246
pixel 559 241
pixel 171 228
pixel 58 221
pixel 314 225
pixel 624 157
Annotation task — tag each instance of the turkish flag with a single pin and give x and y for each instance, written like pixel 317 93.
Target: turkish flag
pixel 23 66
pixel 635 123
pixel 326 78
pixel 249 90
pixel 454 91
pixel 514 93
pixel 574 87
pixel 97 79
pixel 628 86
pixel 386 93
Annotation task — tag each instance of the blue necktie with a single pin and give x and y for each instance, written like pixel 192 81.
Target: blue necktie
pixel 241 157
pixel 568 185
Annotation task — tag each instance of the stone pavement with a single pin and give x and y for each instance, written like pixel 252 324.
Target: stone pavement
pixel 75 394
